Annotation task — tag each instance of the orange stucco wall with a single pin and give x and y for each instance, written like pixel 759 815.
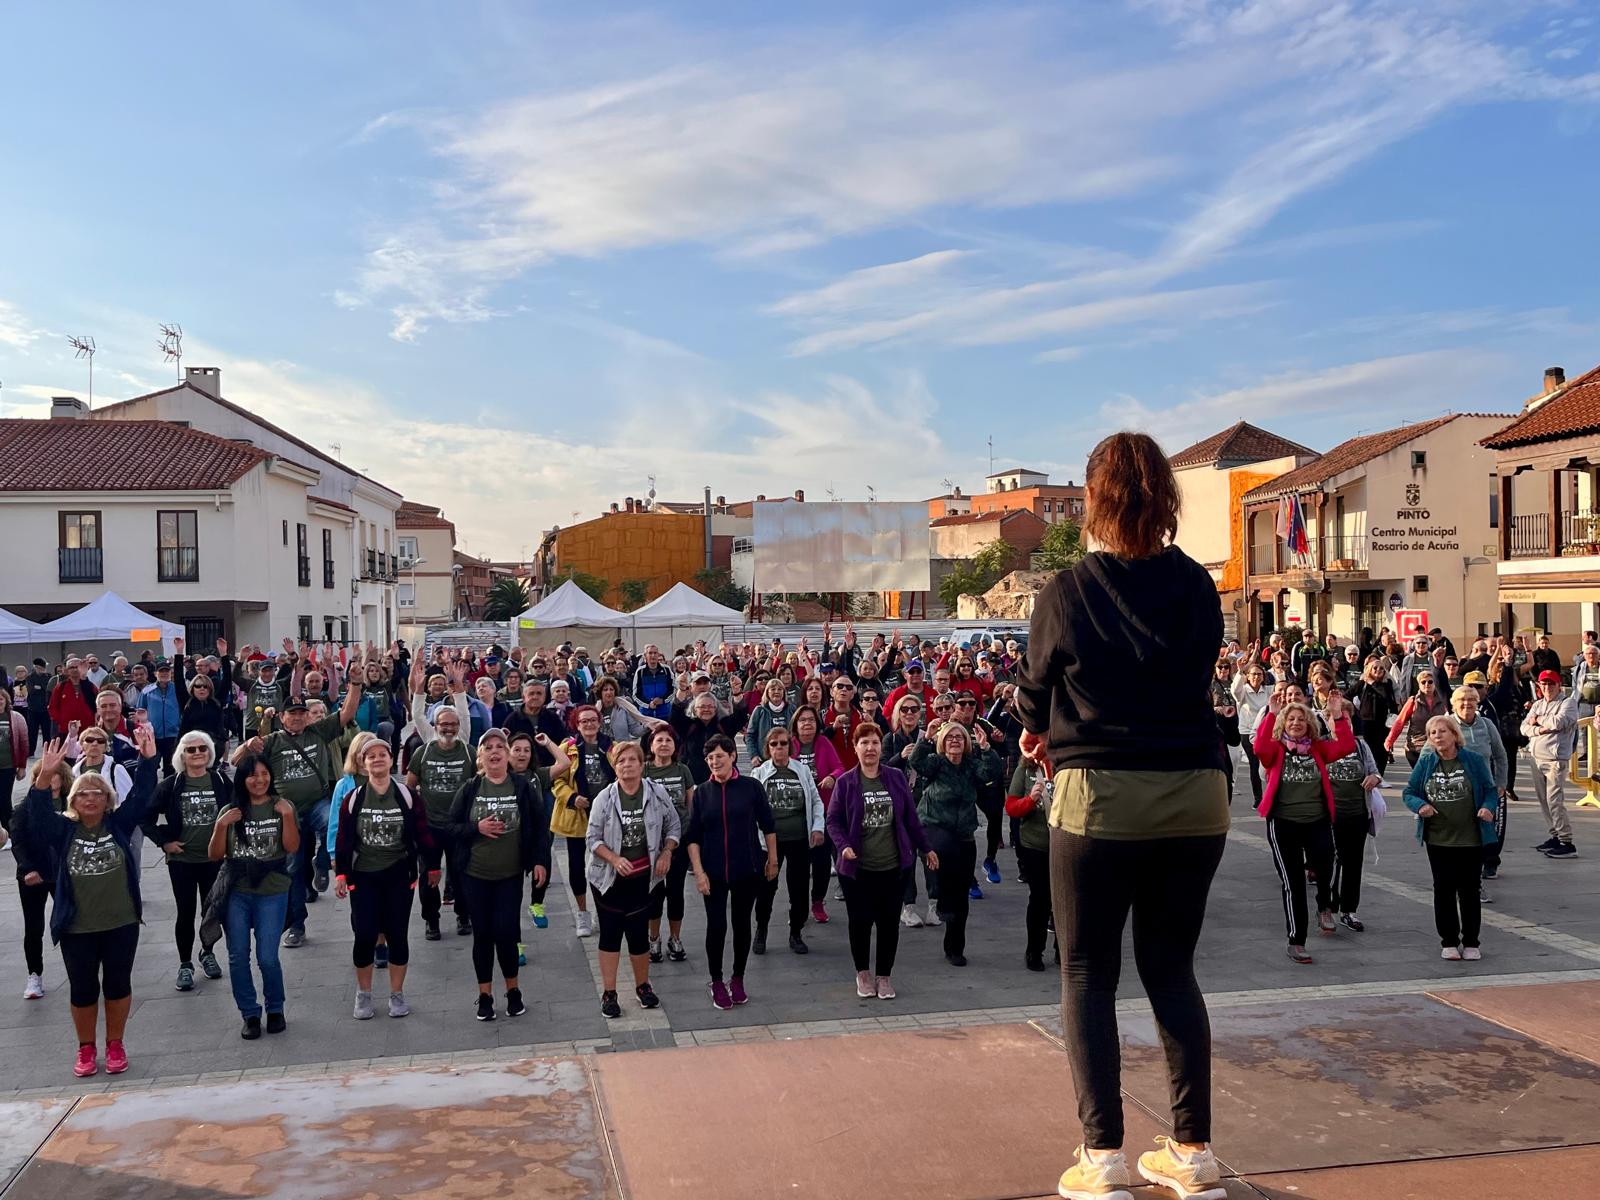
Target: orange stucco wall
pixel 660 548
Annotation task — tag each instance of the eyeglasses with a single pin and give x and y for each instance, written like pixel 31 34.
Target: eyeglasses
pixel 868 697
pixel 966 703
pixel 194 749
pixel 912 707
pixel 778 742
pixel 844 687
pixel 92 741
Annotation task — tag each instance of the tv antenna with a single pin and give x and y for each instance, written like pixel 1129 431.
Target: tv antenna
pixel 832 495
pixel 83 347
pixel 947 484
pixel 991 454
pixel 171 344
pixel 872 494
pixel 336 447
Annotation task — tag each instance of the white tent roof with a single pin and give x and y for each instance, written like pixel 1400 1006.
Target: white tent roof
pixel 569 604
pixel 110 618
pixel 15 630
pixel 682 605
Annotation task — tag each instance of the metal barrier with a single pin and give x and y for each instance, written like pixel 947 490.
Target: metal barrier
pixel 1586 780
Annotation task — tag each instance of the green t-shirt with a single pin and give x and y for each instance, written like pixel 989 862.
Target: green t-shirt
pixel 258 837
pixel 440 774
pixel 501 857
pixel 197 805
pixel 1450 791
pixel 1300 799
pixel 99 874
pixel 1034 830
pixel 787 796
pixel 380 831
pixel 302 766
pixel 635 842
pixel 261 697
pixel 679 783
pixel 879 849
pixel 1349 797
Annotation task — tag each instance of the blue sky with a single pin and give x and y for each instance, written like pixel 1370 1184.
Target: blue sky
pixel 517 258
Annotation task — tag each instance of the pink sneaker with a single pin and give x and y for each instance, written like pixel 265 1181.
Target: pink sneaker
pixel 86 1064
pixel 818 913
pixel 864 985
pixel 116 1058
pixel 736 990
pixel 885 988
pixel 719 995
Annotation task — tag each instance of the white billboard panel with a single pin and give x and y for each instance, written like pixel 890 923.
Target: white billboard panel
pixel 835 547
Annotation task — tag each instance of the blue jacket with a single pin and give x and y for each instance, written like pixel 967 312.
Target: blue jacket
pixel 1485 793
pixel 654 689
pixel 164 708
pixel 50 829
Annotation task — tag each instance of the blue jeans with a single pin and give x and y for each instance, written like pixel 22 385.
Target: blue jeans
pixel 263 916
pixel 313 831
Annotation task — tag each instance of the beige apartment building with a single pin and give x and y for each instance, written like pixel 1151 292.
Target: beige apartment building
pixel 425 588
pixel 1403 519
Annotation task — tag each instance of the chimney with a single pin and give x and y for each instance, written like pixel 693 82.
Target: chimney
pixel 958 493
pixel 628 504
pixel 760 498
pixel 615 507
pixel 799 494
pixel 67 408
pixel 1554 377
pixel 205 379
pixel 722 502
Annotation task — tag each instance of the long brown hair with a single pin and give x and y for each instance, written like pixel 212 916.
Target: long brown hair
pixel 1135 507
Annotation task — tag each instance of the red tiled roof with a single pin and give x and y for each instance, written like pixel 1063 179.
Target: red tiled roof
pixel 1345 456
pixel 137 456
pixel 1242 442
pixel 420 516
pixel 977 517
pixel 1574 410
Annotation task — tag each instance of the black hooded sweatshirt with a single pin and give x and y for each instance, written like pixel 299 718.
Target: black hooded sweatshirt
pixel 1119 664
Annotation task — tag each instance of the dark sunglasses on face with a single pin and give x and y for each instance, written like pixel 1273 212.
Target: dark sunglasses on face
pixel 93 741
pixel 194 749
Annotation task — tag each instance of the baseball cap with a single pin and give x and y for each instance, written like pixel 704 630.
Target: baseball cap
pixel 163 665
pixel 492 659
pixel 699 675
pixel 495 732
pixel 1550 677
pixel 826 667
pixel 914 665
pixel 295 706
pixel 1473 677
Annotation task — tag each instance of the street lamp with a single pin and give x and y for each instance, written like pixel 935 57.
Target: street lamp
pixel 415 563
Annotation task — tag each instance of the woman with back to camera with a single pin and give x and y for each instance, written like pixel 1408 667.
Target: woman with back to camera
pixel 1139 805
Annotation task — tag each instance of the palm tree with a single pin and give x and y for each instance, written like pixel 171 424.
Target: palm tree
pixel 506 599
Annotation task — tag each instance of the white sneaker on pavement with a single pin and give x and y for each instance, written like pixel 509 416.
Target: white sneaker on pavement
pixel 585 926
pixel 35 988
pixel 910 917
pixel 932 917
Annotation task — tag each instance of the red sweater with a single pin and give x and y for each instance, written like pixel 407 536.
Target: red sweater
pixel 1324 750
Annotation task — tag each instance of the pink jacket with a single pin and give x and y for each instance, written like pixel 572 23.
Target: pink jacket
pixel 1325 750
pixel 18 734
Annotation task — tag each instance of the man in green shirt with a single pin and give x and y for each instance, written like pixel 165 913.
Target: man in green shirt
pixel 437 771
pixel 304 770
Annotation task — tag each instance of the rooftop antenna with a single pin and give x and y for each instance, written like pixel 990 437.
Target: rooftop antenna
pixel 171 344
pixel 948 485
pixel 991 454
pixel 336 448
pixel 832 495
pixel 872 494
pixel 84 348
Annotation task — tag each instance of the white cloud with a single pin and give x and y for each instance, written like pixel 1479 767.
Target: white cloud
pixel 15 330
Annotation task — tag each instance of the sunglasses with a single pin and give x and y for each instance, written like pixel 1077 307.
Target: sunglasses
pixel 92 741
pixel 778 742
pixel 913 708
pixel 194 749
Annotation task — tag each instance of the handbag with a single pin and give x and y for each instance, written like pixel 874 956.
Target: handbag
pixel 217 903
pixel 564 818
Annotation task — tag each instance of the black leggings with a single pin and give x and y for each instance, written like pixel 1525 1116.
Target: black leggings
pixel 1036 871
pixel 958 858
pixel 1349 849
pixel 33 896
pixel 1375 734
pixel 380 903
pixel 191 884
pixel 993 815
pixel 1297 848
pixel 437 859
pixel 872 901
pixel 624 911
pixel 669 895
pixel 100 960
pixel 1456 909
pixel 740 895
pixel 821 870
pixel 1255 767
pixel 1094 883
pixel 794 864
pixel 577 869
pixel 495 908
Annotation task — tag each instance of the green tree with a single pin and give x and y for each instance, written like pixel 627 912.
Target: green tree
pixel 507 598
pixel 633 592
pixel 979 573
pixel 591 585
pixel 717 583
pixel 1061 548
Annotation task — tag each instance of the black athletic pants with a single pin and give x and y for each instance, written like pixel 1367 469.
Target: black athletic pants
pixel 191 884
pixel 1296 848
pixel 1456 911
pixel 740 896
pixel 794 867
pixel 958 858
pixel 669 895
pixel 1036 871
pixel 872 902
pixel 380 902
pixel 33 897
pixel 1349 848
pixel 1164 882
pixel 495 908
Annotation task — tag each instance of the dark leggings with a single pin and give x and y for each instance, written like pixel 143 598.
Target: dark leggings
pixel 1094 884
pixel 740 895
pixel 38 725
pixel 1036 871
pixel 577 851
pixel 1456 911
pixel 380 903
pixel 669 895
pixel 33 897
pixel 1374 734
pixel 1297 848
pixel 100 960
pixel 1255 767
pixel 1349 848
pixel 958 858
pixel 495 907
pixel 821 870
pixel 993 813
pixel 624 911
pixel 191 884
pixel 872 901
pixel 794 864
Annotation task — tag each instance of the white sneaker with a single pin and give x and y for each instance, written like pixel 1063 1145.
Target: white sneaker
pixel 910 917
pixel 932 918
pixel 1105 1177
pixel 35 988
pixel 585 926
pixel 1472 954
pixel 1450 953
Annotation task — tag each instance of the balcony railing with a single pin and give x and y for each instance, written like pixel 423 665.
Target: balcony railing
pixel 80 564
pixel 303 570
pixel 369 567
pixel 1530 535
pixel 327 572
pixel 1580 533
pixel 1344 552
pixel 178 564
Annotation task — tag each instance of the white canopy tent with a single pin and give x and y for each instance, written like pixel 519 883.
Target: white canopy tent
pixel 107 624
pixel 570 614
pixel 16 631
pixel 681 615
